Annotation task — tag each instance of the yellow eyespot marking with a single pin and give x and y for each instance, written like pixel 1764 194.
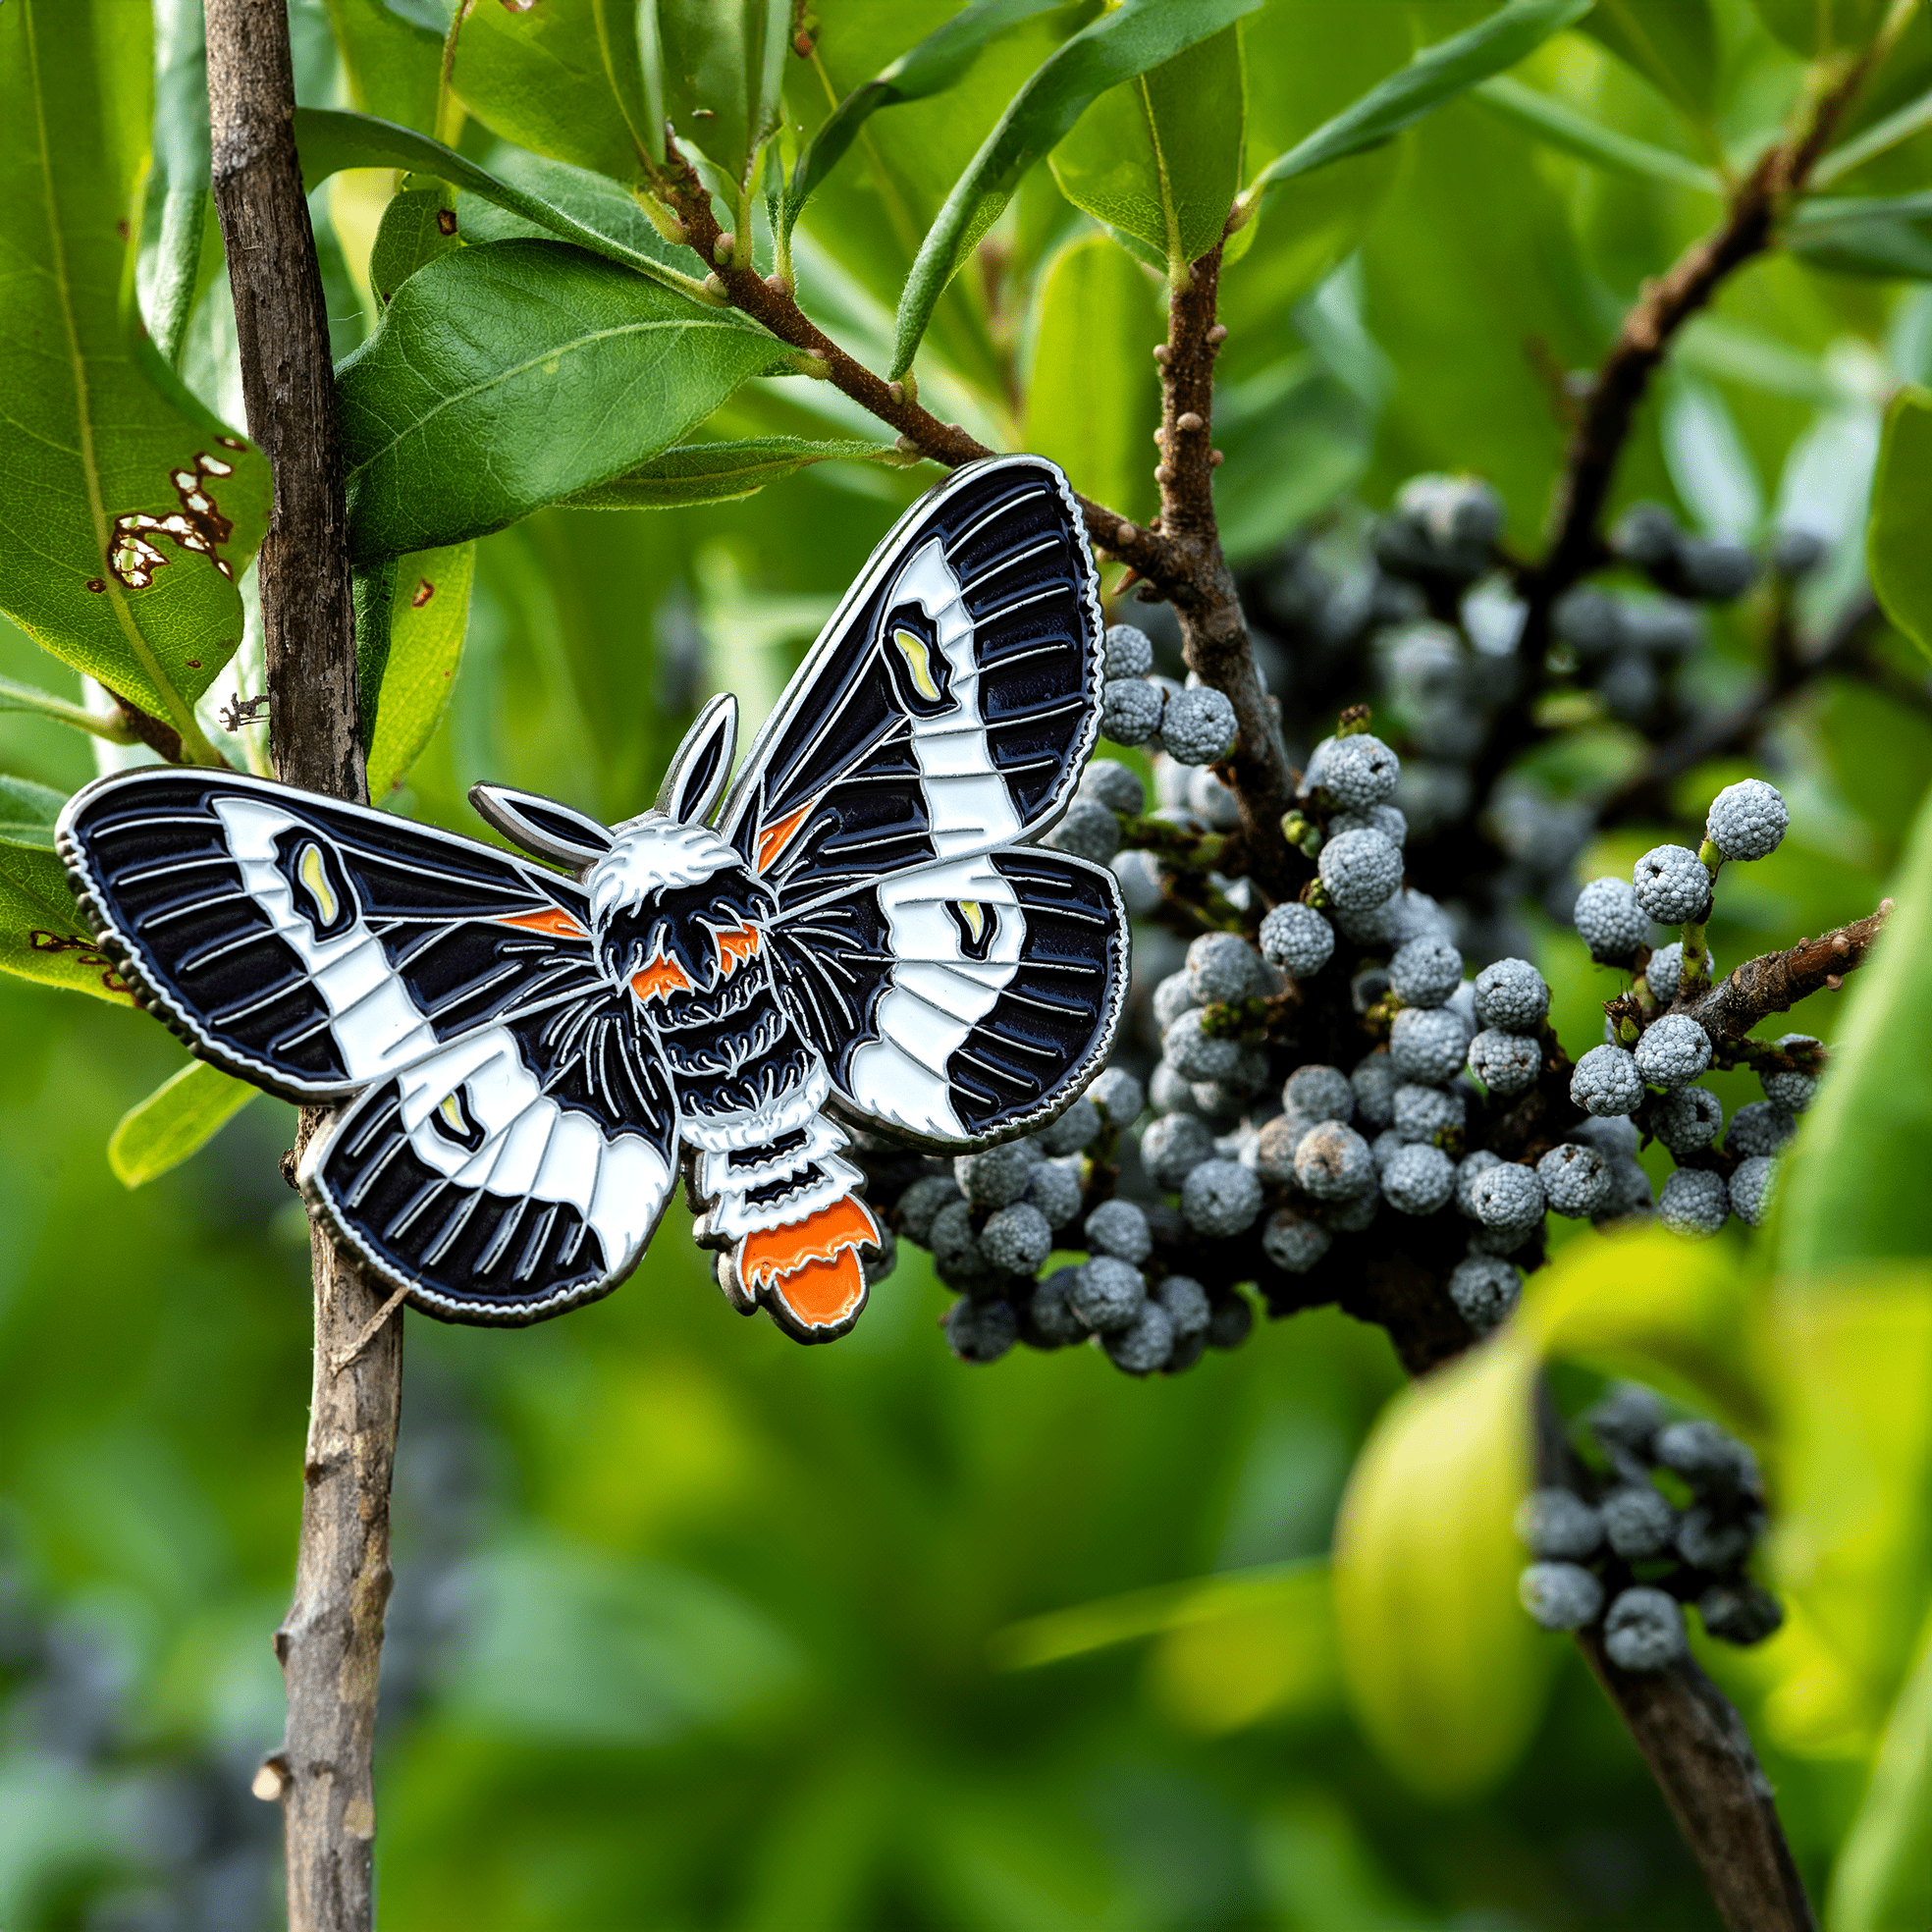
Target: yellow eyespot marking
pixel 912 648
pixel 452 1111
pixel 315 875
pixel 975 916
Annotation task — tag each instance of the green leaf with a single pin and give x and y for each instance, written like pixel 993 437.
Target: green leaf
pixel 27 812
pixel 405 697
pixel 42 936
pixel 16 696
pixel 1820 26
pixel 418 224
pixel 95 427
pixel 1901 515
pixel 542 77
pixel 601 217
pixel 394 66
pixel 720 473
pixel 1889 236
pixel 1436 75
pixel 1672 44
pixel 175 214
pixel 1159 158
pixel 1852 1191
pixel 722 62
pixel 1561 126
pixel 1882 1881
pixel 513 374
pixel 937 63
pixel 1100 316
pixel 179 1118
pixel 1879 139
pixel 1119 46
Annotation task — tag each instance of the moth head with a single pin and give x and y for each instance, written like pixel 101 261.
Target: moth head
pixel 674 909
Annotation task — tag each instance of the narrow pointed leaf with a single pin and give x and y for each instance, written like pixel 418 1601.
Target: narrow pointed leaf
pixel 175 217
pixel 1883 1878
pixel 719 472
pixel 1672 44
pixel 1901 514
pixel 1879 139
pixel 1888 236
pixel 179 1118
pixel 405 701
pixel 1558 124
pixel 513 374
pixel 1119 46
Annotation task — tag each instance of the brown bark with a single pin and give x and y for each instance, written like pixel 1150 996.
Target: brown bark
pixel 330 1643
pixel 1775 981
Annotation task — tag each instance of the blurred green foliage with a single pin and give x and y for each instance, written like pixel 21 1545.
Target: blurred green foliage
pixel 697 1628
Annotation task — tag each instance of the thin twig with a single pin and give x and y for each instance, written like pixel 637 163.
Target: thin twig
pixel 1775 981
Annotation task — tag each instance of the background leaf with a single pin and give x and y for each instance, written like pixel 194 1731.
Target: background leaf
pixel 722 471
pixel 1672 44
pixel 429 616
pixel 175 218
pixel 1901 513
pixel 1883 1877
pixel 1889 236
pixel 512 375
pixel 1571 133
pixel 722 62
pixel 178 1119
pixel 417 225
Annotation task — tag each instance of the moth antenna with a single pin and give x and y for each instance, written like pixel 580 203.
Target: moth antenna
pixel 542 826
pixel 702 766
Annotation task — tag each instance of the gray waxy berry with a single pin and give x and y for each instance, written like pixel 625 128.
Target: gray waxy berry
pixel 1121 1229
pixel 1016 1240
pixel 1051 1314
pixel 1196 1055
pixel 1752 1183
pixel 1558 1524
pixel 1706 1541
pixel 1357 1212
pixel 1424 1112
pixel 1664 974
pixel 1197 726
pixel 1473 1168
pixel 1131 710
pixel 1428 1044
pixel 1088 831
pixel 1333 1163
pixel 1793 1092
pixel 1145 1344
pixel 1687 1120
pixel 1627 1420
pixel 1319 1093
pixel 1298 940
pixel 1114 787
pixel 1643 1629
pixel 1360 870
pixel 1418 1180
pixel 1614 1135
pixel 920 1204
pixel 1118 1095
pixel 1609 921
pixel 1173 997
pixel 1294 1241
pixel 1694 1203
pixel 996 1178
pixel 1708 1458
pixel 1748 820
pixel 1512 996
pixel 1186 1305
pixel 980 1331
pixel 1671 885
pixel 1389 820
pixel 1128 651
pixel 957 1256
pixel 1054 1189
pixel 1589 621
pixel 1140 882
pixel 1716 570
pixel 1606 1081
pixel 1646 534
pixel 1576 1180
pixel 1210 800
pixel 1485 1289
pixel 1561 1597
pixel 1505 1062
pixel 1108 1295
pixel 1073 1130
pixel 1759 1128
pixel 1375 1081
pixel 1507 1199
pixel 1223 967
pixel 1233 1323
pixel 1220 1199
pixel 1638 1521
pixel 1796 553
pixel 1360 771
pixel 1739 1613
pixel 1173 1146
pixel 1168 1092
pixel 1274 1148
pixel 1387 1145
pixel 1426 972
pixel 1629 1191
pixel 1371 926
pixel 1672 1052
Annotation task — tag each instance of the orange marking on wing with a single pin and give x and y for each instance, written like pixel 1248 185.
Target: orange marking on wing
pixel 553 920
pixel 777 835
pixel 776 1254
pixel 735 945
pixel 661 977
pixel 824 1294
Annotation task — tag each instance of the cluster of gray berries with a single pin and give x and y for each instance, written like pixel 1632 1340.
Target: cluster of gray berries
pixel 1193 722
pixel 1660 1514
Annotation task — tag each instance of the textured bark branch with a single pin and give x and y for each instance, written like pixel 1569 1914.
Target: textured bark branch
pixel 330 1643
pixel 1775 981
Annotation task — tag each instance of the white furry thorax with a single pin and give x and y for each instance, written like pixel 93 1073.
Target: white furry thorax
pixel 649 855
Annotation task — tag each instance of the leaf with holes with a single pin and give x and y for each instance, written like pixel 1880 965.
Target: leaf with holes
pixel 127 510
pixel 515 374
pixel 179 1118
pixel 42 936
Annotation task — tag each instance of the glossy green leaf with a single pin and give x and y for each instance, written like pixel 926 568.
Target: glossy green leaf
pixel 96 429
pixel 1436 75
pixel 1120 46
pixel 1672 44
pixel 42 936
pixel 418 224
pixel 394 66
pixel 546 78
pixel 722 471
pixel 937 63
pixel 1882 1881
pixel 1900 515
pixel 179 1118
pixel 27 812
pixel 513 374
pixel 1100 315
pixel 1889 236
pixel 1559 125
pixel 175 217
pixel 1851 1192
pixel 1160 157
pixel 723 62
pixel 406 694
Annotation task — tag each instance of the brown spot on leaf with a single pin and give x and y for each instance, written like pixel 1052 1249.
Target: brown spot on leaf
pixel 120 229
pixel 446 220
pixel 517 6
pixel 195 663
pixel 425 591
pixel 97 584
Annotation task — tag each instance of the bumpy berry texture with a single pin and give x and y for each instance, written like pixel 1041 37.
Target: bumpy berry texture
pixel 1221 1199
pixel 1671 885
pixel 1505 1062
pixel 1609 921
pixel 1419 1179
pixel 996 1178
pixel 980 1331
pixel 1118 1095
pixel 1748 820
pixel 1428 1044
pixel 1576 1180
pixel 1113 786
pixel 1665 973
pixel 1145 1343
pixel 1561 1597
pixel 1073 1130
pixel 1295 1240
pixel 1016 1240
pixel 1673 1051
pixel 1088 831
pixel 1426 972
pixel 1108 1295
pixel 1319 1093
pixel 1507 1199
pixel 1687 1120
pixel 1606 1081
pixel 1119 1228
pixel 1223 967
pixel 1360 869
pixel 1643 1629
pixel 1753 1184
pixel 1127 652
pixel 1510 997
pixel 1131 710
pixel 1793 1091
pixel 1486 1290
pixel 1421 1113
pixel 1360 771
pixel 1759 1128
pixel 1298 940
pixel 1389 820
pixel 1333 1162
pixel 1197 726
pixel 1694 1203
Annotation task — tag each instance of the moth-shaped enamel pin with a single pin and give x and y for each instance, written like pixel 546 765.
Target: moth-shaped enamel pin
pixel 861 935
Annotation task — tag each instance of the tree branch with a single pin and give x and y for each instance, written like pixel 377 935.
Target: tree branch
pixel 330 1643
pixel 1775 981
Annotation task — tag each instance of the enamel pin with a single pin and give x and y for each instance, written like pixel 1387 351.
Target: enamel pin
pixel 862 934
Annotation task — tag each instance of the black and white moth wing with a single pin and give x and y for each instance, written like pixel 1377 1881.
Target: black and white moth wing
pixel 514 1173
pixel 961 1002
pixel 951 703
pixel 312 946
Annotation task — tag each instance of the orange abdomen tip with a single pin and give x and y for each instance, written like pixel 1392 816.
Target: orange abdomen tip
pixel 812 1266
